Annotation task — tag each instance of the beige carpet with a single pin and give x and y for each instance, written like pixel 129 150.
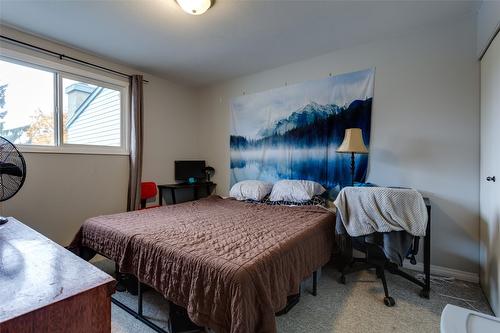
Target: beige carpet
pixel 354 307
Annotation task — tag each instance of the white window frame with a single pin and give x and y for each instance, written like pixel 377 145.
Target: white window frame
pixel 74 73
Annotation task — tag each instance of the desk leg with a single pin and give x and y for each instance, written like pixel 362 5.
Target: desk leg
pixel 427 257
pixel 172 191
pixel 160 197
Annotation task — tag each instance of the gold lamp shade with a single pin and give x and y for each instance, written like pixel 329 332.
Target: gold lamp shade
pixel 353 142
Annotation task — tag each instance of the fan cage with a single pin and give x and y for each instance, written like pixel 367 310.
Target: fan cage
pixel 9 184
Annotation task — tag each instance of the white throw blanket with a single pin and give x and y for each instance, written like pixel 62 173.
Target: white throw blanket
pixel 365 210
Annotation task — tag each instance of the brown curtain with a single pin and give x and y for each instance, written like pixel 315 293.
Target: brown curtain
pixel 136 135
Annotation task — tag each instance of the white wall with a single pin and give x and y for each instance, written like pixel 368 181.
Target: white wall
pixel 488 21
pixel 425 124
pixel 62 190
pixel 170 129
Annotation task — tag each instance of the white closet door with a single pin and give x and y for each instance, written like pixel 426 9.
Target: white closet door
pixel 490 167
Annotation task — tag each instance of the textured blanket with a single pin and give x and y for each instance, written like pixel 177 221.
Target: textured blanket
pixel 365 210
pixel 230 264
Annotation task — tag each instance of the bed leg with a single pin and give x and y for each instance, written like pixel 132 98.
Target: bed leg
pixel 120 286
pixel 139 298
pixel 139 313
pixel 315 283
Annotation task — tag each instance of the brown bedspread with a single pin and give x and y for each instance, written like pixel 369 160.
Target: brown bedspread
pixel 230 264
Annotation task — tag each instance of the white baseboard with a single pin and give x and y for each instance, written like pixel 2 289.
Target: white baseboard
pixel 444 271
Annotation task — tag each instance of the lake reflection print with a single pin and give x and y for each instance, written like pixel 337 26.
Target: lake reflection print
pixel 292 132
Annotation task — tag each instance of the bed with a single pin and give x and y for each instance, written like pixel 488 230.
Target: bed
pixel 231 264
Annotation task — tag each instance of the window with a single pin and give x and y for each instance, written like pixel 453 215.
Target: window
pixel 48 109
pixel 26 104
pixel 91 114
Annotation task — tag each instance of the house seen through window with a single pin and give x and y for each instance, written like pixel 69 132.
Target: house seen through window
pixel 91 114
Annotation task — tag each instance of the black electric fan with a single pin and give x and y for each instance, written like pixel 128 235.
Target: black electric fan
pixel 12 172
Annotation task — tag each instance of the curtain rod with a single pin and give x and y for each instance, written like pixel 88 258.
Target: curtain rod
pixel 65 57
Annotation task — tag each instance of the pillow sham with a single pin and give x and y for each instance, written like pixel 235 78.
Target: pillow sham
pixel 295 190
pixel 250 190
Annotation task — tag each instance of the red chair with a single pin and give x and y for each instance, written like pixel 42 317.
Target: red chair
pixel 148 190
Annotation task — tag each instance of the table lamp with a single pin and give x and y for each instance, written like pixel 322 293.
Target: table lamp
pixel 353 143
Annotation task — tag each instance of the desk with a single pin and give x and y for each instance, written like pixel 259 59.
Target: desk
pixel 172 188
pixel 46 288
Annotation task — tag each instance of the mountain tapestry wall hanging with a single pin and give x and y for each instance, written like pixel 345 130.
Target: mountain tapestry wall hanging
pixel 292 132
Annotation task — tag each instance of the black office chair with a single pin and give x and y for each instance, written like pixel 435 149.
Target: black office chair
pixel 375 258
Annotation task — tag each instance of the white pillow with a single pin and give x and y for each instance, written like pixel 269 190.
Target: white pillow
pixel 250 190
pixel 295 190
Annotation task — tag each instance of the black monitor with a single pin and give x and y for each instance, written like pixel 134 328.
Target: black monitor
pixel 189 169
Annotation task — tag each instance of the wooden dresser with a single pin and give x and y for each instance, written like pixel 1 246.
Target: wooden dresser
pixel 46 288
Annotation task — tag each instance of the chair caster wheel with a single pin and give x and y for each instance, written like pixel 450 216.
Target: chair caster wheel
pixel 342 279
pixel 424 294
pixel 389 301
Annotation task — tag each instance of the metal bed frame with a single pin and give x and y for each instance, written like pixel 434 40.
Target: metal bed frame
pixel 139 314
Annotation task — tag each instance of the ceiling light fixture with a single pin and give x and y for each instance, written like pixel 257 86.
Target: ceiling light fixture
pixel 195 7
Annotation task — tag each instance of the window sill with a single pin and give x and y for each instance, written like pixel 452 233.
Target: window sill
pixel 72 150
